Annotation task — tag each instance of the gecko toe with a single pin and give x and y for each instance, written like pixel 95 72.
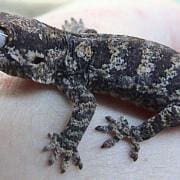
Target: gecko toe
pixel 134 155
pixel 51 160
pixel 104 129
pixel 65 161
pixel 110 142
pixel 76 160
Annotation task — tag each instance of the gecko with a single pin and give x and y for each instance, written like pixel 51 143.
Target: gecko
pixel 81 62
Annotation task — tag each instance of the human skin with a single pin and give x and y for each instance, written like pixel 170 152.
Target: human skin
pixel 29 110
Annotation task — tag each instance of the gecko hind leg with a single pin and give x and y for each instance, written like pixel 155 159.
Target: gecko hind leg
pixel 167 117
pixel 119 130
pixel 77 27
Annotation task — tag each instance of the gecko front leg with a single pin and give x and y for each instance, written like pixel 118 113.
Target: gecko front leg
pixel 168 117
pixel 65 144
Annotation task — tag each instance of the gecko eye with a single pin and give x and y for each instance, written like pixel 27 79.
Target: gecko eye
pixel 3 38
pixel 38 60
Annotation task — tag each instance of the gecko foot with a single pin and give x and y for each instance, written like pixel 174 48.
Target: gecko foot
pixel 120 130
pixel 78 27
pixel 73 26
pixel 59 148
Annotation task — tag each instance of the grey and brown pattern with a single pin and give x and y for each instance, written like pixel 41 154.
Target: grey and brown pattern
pixel 81 62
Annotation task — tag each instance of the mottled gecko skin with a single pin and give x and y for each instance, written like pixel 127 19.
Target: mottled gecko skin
pixel 81 62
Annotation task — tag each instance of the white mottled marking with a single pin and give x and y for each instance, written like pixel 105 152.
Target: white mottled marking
pixel 3 38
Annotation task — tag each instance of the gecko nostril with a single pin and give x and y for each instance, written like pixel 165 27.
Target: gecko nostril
pixel 3 38
pixel 38 60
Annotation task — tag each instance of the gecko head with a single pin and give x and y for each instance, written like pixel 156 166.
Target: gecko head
pixel 23 49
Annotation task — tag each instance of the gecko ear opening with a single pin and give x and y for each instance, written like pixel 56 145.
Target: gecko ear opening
pixel 3 38
pixel 38 60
